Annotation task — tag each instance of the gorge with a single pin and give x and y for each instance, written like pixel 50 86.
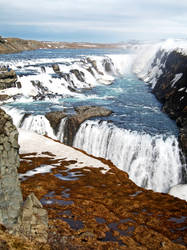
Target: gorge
pixel 92 101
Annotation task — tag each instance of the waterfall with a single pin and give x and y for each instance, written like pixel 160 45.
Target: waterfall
pixel 38 124
pixel 152 162
pixel 35 123
pixel 61 129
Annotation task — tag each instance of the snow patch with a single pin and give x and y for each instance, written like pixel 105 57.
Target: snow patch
pixel 31 142
pixel 179 191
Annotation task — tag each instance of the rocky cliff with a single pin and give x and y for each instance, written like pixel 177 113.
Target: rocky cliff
pixel 28 218
pixel 165 70
pixel 10 192
pixel 171 89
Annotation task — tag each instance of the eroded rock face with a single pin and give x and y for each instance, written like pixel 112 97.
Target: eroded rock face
pixel 7 78
pixel 10 192
pixel 73 122
pixel 171 90
pixel 55 119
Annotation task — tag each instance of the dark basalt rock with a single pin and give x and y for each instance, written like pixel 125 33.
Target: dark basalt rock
pixel 108 65
pixel 82 114
pixel 56 68
pixel 2 40
pixel 79 74
pixel 55 118
pixel 173 94
pixel 94 65
pixel 73 122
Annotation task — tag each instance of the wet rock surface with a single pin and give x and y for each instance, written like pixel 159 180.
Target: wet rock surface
pixel 172 92
pixel 10 192
pixel 8 78
pixel 91 210
pixel 73 122
pixel 82 114
pixel 55 118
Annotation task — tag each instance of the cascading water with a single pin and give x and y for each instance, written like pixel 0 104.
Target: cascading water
pixel 151 161
pixel 60 134
pixel 150 153
pixel 35 123
pixel 38 124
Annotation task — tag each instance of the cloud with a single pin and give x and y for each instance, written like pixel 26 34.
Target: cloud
pixel 116 18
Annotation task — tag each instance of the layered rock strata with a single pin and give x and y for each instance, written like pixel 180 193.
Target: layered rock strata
pixel 26 219
pixel 10 192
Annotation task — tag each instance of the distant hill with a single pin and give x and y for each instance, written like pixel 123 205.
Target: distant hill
pixel 14 45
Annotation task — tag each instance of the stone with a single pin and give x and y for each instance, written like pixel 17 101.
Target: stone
pixel 82 114
pixel 55 118
pixel 79 74
pixel 56 68
pixel 4 98
pixel 33 220
pixel 8 78
pixel 73 122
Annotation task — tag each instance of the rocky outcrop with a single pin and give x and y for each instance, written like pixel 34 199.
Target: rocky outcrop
pixel 82 114
pixel 55 119
pixel 171 89
pixel 30 219
pixel 78 74
pixel 8 78
pixel 73 122
pixel 10 192
pixel 33 220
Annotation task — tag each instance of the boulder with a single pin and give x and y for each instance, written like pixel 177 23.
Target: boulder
pixel 56 68
pixel 4 98
pixel 33 220
pixel 79 74
pixel 94 65
pixel 108 65
pixel 8 78
pixel 2 40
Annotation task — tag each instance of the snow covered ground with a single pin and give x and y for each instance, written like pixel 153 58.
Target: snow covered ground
pixel 31 142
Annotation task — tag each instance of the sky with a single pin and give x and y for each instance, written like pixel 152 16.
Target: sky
pixel 93 20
